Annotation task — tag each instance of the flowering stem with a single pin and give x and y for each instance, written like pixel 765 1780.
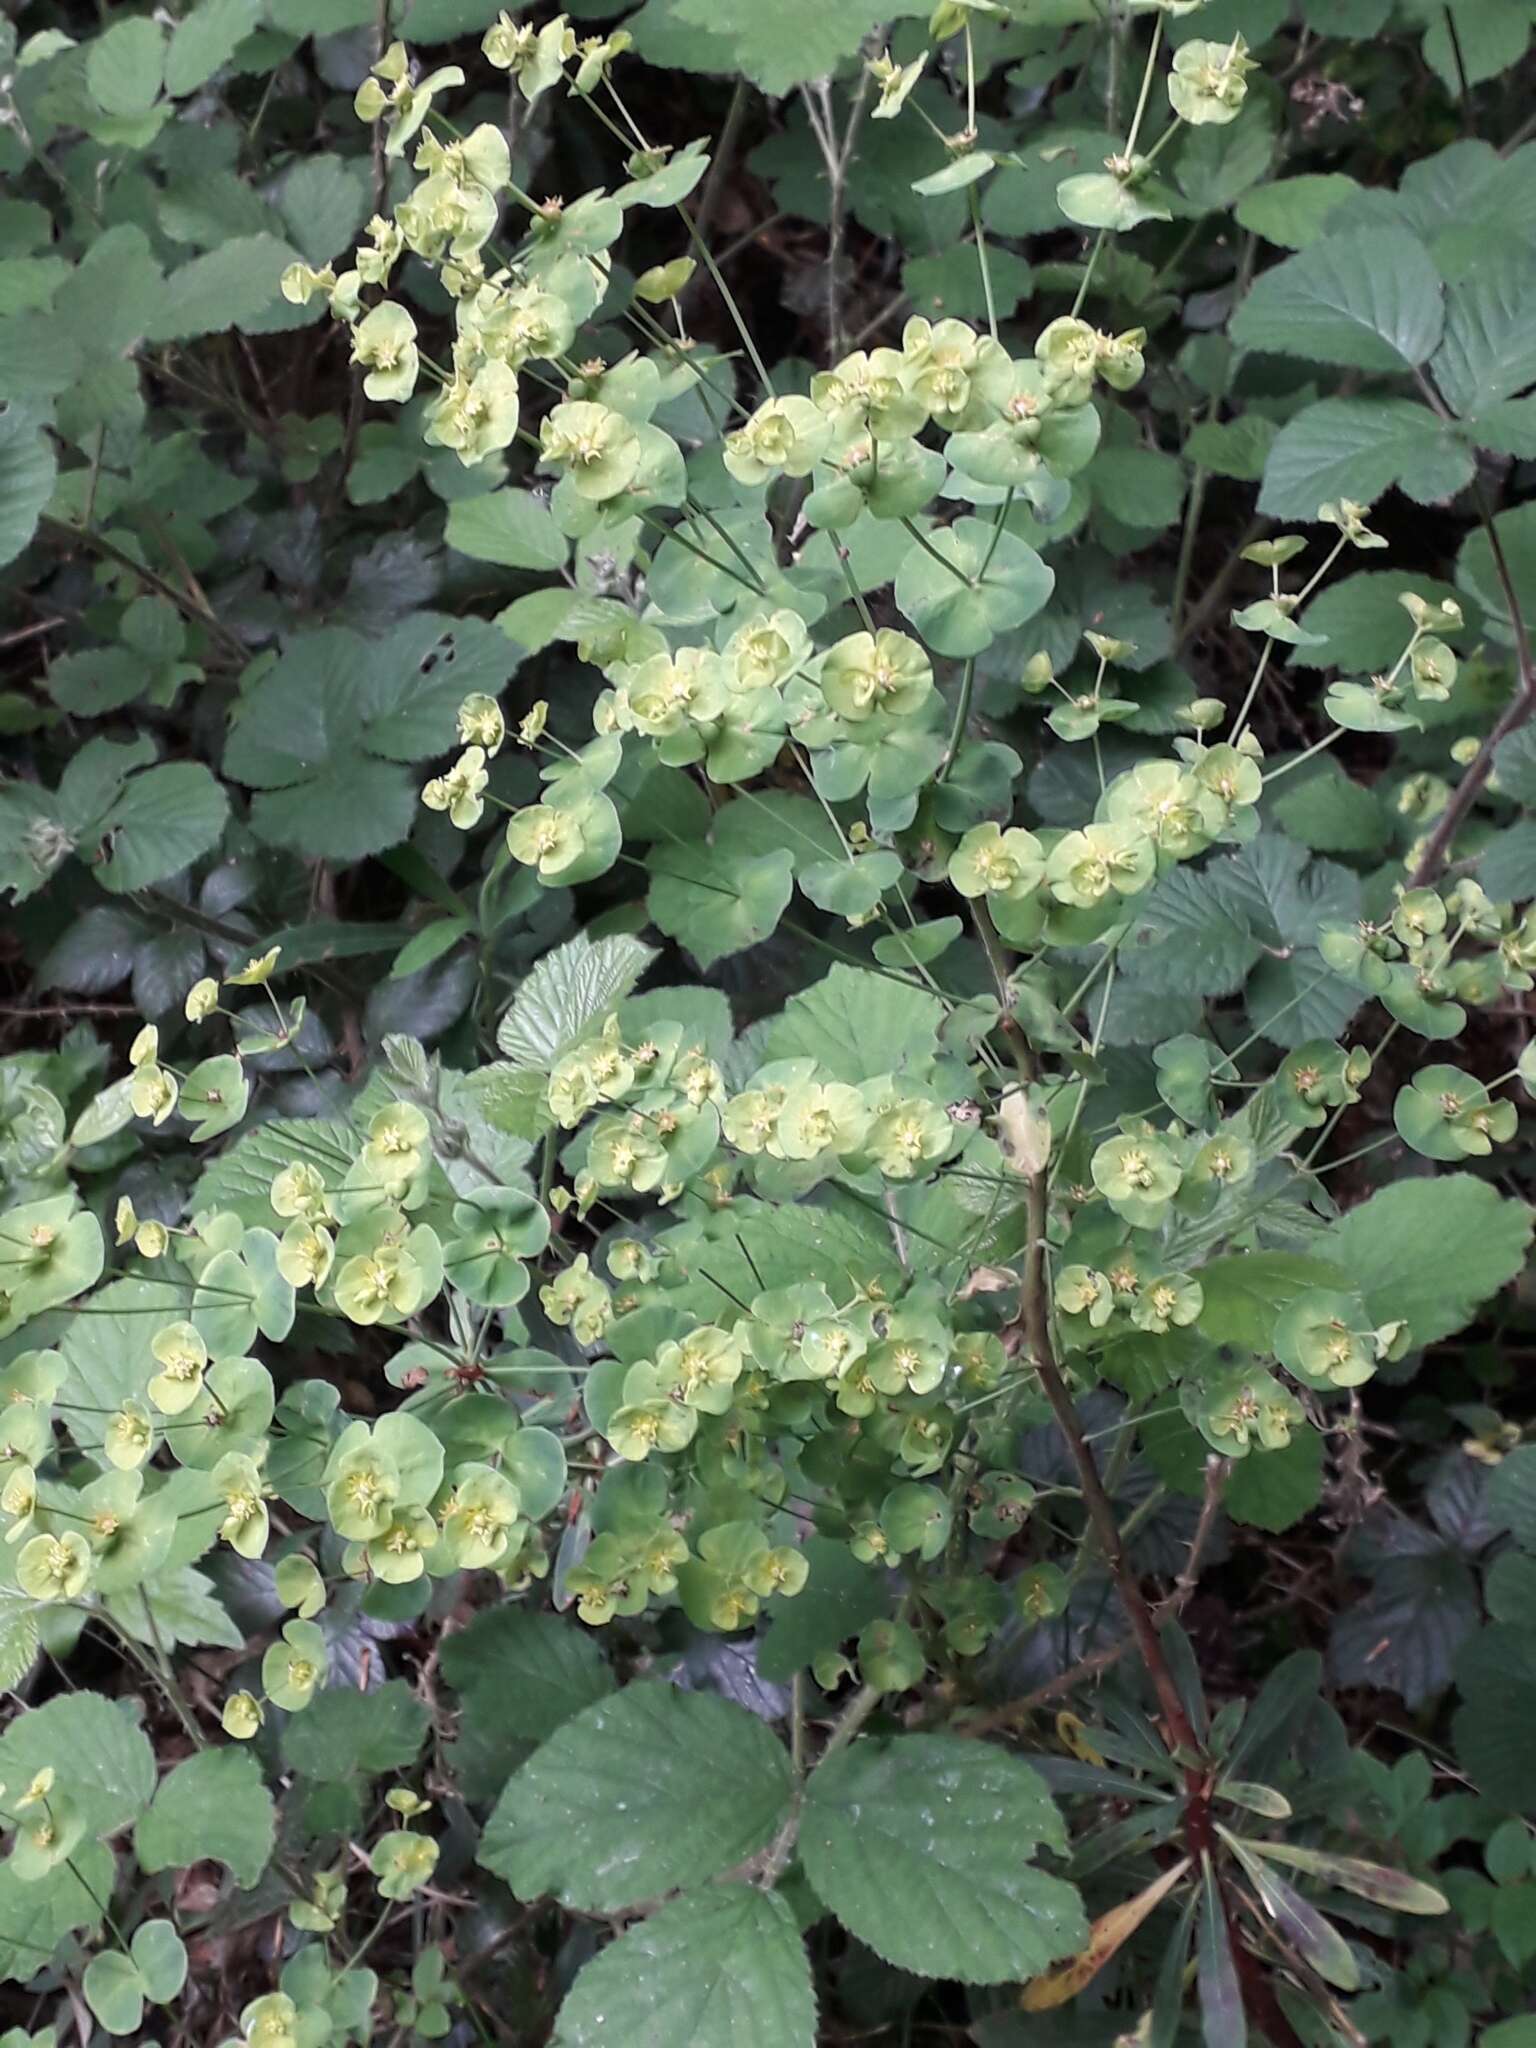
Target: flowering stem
pixel 1087 277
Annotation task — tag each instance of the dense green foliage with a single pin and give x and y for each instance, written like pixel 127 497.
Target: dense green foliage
pixel 764 1207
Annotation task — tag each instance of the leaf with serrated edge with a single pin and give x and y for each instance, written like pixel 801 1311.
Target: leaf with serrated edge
pixel 641 1793
pixel 720 1968
pixel 567 995
pixel 920 1847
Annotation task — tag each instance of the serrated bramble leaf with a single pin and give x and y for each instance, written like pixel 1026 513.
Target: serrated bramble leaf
pixel 27 472
pixel 567 995
pixel 721 1968
pixel 164 820
pixel 1488 352
pixel 109 1764
pixel 857 1024
pixel 1293 212
pixel 1367 300
pixel 920 1846
pixel 1274 1489
pixel 510 527
pixel 1358 448
pixel 794 41
pixel 636 1795
pixel 345 1733
pixel 1403 1635
pixel 1431 1251
pixel 204 40
pixel 215 1805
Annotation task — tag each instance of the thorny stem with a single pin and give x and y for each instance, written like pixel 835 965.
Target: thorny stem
pixel 1034 1324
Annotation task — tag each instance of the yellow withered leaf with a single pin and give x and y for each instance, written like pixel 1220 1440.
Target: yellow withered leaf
pixel 1106 1937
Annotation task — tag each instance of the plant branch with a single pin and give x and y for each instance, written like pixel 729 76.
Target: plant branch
pixel 1100 1661
pixel 1034 1323
pixel 1515 713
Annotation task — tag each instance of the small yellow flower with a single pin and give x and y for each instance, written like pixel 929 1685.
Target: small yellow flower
pixel 202 999
pixel 256 973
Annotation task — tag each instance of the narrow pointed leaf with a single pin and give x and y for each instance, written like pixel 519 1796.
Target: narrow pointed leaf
pixel 1372 1881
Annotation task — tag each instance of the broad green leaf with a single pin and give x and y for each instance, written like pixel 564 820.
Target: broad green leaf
pixel 1403 1635
pixel 1496 1675
pixel 178 1605
pixel 795 41
pixel 567 994
pixel 322 735
pixel 720 1968
pixel 840 1598
pixel 508 526
pixel 1469 41
pixel 164 820
pixel 1510 1498
pixel 36 1915
pixel 1431 1250
pixel 108 1351
pixel 1217 163
pixel 436 21
pixel 714 903
pixel 235 285
pixel 1368 300
pixel 103 1757
pixel 1489 349
pixel 214 1804
pixel 18 1636
pixel 1236 448
pixel 125 67
pixel 39 357
pixel 1517 2033
pixel 519 1675
pixel 323 201
pixel 1292 212
pixel 241 1178
pixel 27 472
pixel 1274 1489
pixel 206 39
pixel 344 1733
pixel 324 17
pixel 1362 622
pixel 1190 938
pixel 1246 1291
pixel 1476 575
pixel 920 1846
pixel 636 1795
pixel 857 1024
pixel 1327 810
pixel 948 285
pixel 1357 448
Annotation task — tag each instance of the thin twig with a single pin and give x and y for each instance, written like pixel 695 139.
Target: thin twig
pixel 1515 713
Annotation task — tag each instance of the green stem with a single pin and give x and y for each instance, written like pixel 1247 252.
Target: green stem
pixel 962 715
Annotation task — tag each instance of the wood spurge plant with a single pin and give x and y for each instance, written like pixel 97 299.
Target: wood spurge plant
pixel 765 1211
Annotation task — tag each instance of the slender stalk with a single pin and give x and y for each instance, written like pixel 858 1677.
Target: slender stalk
pixel 962 716
pixel 1515 714
pixel 981 257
